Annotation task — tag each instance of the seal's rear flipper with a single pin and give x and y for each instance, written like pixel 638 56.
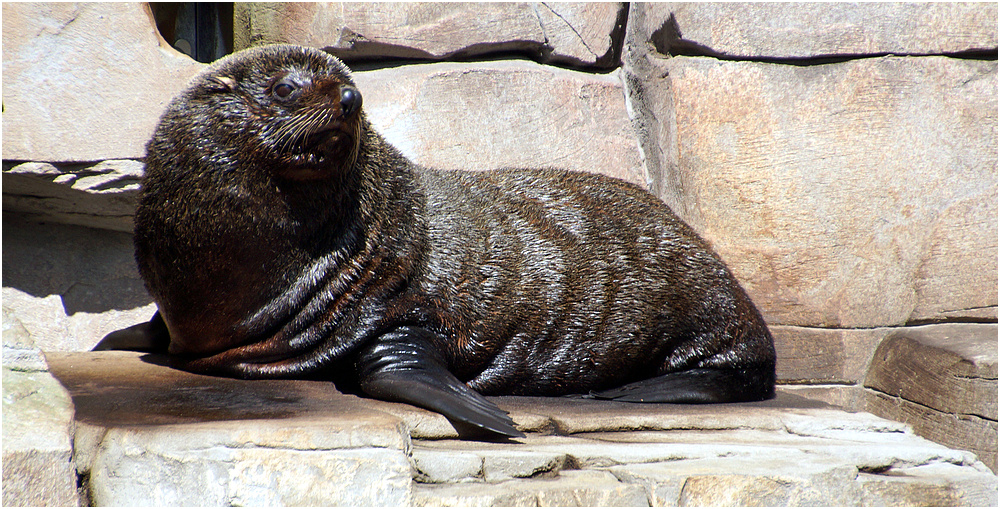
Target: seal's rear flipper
pixel 403 366
pixel 151 336
pixel 702 385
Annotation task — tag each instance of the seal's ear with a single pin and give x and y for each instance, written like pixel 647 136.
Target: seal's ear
pixel 221 84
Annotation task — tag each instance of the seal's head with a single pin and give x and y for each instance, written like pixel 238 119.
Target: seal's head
pixel 245 174
pixel 291 111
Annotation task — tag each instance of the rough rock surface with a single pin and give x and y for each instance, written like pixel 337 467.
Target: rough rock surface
pixel 803 178
pixel 504 114
pixel 37 426
pixel 228 441
pixel 84 82
pixel 825 356
pixel 98 195
pixel 811 30
pixel 942 380
pixel 152 435
pixel 568 33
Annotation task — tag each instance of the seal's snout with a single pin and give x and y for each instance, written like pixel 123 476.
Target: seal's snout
pixel 350 100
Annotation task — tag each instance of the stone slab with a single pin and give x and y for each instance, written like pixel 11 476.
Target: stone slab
pixel 942 380
pixel 961 431
pixel 948 367
pixel 135 469
pixel 157 436
pixel 37 427
pixel 569 489
pixel 937 485
pixel 816 356
pixel 808 355
pixel 504 114
pixel 580 34
pixel 84 82
pixel 101 195
pixel 37 441
pixel 811 183
pixel 734 467
pixel 783 481
pixel 804 30
pixel 267 442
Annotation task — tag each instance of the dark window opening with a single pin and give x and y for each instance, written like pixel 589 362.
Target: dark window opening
pixel 203 31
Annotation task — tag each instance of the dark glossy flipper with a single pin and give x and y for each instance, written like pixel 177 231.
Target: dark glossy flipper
pixel 403 366
pixel 697 386
pixel 151 336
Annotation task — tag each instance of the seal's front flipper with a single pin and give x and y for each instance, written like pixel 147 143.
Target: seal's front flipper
pixel 151 336
pixel 704 385
pixel 403 366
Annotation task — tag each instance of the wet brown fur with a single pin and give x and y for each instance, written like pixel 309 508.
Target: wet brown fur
pixel 540 282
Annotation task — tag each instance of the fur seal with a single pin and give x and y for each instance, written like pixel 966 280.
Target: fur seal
pixel 281 236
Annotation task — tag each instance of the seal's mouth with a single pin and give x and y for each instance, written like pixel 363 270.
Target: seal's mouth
pixel 318 153
pixel 314 149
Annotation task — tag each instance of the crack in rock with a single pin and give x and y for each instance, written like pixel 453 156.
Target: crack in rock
pixel 668 40
pixel 571 27
pixel 924 406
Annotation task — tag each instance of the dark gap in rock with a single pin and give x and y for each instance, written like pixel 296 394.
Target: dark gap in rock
pixel 960 319
pixel 912 323
pixel 875 469
pixel 815 381
pixel 377 63
pixel 613 59
pixel 973 54
pixel 668 40
pixel 83 489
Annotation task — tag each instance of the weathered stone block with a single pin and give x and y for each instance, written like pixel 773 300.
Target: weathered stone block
pixel 98 195
pixel 942 380
pixel 84 82
pixel 938 485
pixel 504 114
pixel 570 488
pixel 812 182
pixel 812 355
pixel 134 468
pixel 961 431
pixel 68 286
pixel 949 367
pixel 802 30
pixel 574 33
pixel 446 466
pixel 788 478
pixel 37 426
pixel 158 436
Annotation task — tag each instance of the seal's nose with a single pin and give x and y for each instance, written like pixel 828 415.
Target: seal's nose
pixel 350 100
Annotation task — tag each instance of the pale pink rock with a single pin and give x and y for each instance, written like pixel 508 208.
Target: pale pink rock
pixel 504 114
pixel 573 33
pixel 84 82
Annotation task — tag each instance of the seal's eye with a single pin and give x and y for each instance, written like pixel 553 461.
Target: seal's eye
pixel 283 90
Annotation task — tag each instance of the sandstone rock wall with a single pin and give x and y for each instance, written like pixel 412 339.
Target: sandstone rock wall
pixel 842 158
